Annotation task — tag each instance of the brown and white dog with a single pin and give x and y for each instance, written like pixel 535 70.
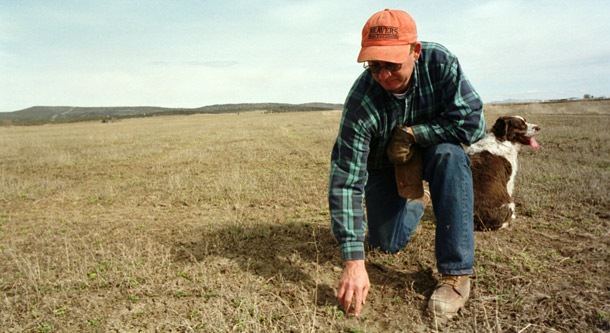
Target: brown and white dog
pixel 493 161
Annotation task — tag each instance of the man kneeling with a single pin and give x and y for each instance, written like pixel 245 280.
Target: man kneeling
pixel 420 87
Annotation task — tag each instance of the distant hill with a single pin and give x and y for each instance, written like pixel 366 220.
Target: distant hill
pixel 513 100
pixel 575 107
pixel 44 114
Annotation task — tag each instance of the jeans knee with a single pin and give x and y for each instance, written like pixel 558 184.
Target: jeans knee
pixel 447 155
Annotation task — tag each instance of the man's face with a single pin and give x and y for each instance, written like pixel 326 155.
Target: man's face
pixel 397 81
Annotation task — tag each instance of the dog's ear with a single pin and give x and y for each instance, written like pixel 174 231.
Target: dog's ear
pixel 500 128
pixel 512 135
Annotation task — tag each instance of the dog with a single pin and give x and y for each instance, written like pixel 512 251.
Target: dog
pixel 493 162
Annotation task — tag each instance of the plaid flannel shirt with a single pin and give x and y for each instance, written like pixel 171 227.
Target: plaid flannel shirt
pixel 441 106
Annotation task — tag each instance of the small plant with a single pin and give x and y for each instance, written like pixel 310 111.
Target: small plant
pixel 193 314
pixel 45 327
pixel 137 314
pixel 102 266
pixel 335 312
pixel 60 312
pixel 95 322
pixel 132 282
pixel 210 294
pixel 494 257
pixel 531 211
pixel 237 302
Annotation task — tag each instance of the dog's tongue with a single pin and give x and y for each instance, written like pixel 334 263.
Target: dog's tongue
pixel 533 143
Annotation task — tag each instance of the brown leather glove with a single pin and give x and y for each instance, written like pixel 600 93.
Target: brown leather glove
pixel 406 156
pixel 399 148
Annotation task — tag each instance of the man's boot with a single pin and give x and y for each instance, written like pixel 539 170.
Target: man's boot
pixel 450 295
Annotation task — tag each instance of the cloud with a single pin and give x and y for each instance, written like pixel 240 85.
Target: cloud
pixel 213 64
pixel 195 63
pixel 159 63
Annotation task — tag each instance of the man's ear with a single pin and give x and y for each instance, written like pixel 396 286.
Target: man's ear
pixel 416 51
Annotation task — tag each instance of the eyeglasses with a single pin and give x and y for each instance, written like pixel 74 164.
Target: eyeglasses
pixel 375 67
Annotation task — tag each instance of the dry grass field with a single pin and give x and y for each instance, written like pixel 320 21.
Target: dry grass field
pixel 219 223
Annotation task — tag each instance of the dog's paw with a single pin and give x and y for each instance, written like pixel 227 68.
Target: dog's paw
pixel 512 209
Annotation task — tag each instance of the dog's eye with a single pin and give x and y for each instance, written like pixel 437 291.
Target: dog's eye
pixel 519 124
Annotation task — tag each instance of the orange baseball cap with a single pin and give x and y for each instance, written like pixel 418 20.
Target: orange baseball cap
pixel 387 36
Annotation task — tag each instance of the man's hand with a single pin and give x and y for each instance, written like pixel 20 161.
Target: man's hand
pixel 410 131
pixel 354 285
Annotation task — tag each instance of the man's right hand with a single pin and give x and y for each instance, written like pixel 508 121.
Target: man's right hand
pixel 354 285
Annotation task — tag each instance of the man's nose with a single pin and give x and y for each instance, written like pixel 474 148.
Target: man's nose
pixel 384 73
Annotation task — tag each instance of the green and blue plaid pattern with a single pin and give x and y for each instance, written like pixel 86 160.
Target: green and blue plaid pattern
pixel 441 106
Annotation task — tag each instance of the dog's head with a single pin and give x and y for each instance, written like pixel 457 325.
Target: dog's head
pixel 515 129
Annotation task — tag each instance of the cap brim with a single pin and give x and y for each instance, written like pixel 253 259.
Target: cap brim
pixel 396 54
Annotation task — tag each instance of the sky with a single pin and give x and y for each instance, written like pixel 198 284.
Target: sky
pixel 189 54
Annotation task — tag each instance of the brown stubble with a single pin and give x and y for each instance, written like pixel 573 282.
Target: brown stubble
pixel 220 223
pixel 101 211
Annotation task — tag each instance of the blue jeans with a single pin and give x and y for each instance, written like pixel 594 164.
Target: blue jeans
pixel 392 219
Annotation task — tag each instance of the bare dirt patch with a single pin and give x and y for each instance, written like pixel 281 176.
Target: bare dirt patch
pixel 220 223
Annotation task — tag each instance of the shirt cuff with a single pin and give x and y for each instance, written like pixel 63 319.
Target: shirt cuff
pixel 421 133
pixel 352 250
